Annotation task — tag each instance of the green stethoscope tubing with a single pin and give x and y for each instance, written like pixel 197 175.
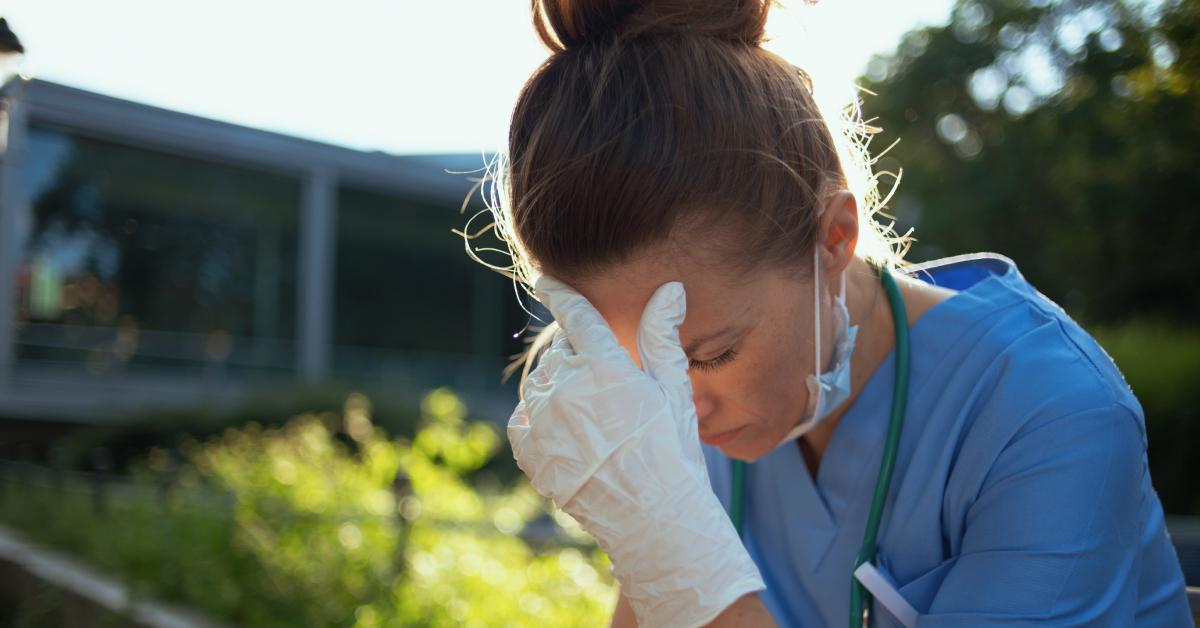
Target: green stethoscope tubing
pixel 866 553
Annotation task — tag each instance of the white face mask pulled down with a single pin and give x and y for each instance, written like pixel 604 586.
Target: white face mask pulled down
pixel 827 390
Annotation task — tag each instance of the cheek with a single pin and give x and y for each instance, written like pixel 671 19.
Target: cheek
pixel 763 386
pixel 766 391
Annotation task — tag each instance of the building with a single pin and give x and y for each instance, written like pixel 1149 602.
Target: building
pixel 151 257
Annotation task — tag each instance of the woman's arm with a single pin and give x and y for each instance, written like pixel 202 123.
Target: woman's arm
pixel 748 611
pixel 592 426
pixel 623 616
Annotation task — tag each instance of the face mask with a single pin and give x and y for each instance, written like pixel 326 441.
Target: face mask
pixel 829 389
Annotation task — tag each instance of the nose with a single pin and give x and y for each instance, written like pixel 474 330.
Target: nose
pixel 703 400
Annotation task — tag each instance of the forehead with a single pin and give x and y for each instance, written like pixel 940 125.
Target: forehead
pixel 715 297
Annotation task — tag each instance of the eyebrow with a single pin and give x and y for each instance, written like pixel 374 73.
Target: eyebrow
pixel 702 340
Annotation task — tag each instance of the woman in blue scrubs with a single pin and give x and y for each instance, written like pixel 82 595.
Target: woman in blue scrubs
pixel 724 377
pixel 1020 492
pixel 1021 488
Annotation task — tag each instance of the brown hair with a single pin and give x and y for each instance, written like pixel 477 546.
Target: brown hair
pixel 661 120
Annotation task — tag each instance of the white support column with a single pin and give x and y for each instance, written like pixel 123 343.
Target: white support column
pixel 314 295
pixel 13 226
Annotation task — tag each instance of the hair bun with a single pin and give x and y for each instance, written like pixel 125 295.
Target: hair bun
pixel 563 24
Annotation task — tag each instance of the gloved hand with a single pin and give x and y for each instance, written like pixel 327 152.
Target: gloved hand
pixel 617 448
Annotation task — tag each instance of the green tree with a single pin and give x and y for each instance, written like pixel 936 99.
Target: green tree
pixel 1064 135
pixel 1060 134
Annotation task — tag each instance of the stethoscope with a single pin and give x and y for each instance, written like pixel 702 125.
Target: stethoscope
pixel 866 553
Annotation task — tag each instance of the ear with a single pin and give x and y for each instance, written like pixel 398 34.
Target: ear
pixel 837 231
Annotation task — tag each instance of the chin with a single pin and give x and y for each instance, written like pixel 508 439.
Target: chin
pixel 748 451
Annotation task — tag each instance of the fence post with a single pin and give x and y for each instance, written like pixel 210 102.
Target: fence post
pixel 3 472
pixel 101 464
pixel 58 464
pixel 401 490
pixel 24 466
pixel 166 479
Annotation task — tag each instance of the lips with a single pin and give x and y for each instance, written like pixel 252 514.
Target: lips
pixel 721 438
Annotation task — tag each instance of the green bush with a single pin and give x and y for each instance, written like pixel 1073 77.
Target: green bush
pixel 268 405
pixel 1161 363
pixel 305 524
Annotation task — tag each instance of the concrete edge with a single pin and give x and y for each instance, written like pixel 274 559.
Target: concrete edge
pixel 80 580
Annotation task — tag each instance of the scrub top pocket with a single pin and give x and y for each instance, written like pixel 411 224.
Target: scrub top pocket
pixel 919 592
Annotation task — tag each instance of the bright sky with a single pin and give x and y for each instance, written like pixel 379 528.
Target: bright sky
pixel 403 76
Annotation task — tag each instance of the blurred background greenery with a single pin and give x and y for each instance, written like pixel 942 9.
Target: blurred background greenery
pixel 1066 135
pixel 322 521
pixel 1062 134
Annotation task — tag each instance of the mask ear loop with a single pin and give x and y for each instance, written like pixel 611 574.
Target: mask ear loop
pixel 842 292
pixel 817 318
pixel 817 324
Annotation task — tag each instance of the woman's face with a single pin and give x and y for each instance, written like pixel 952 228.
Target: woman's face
pixel 749 341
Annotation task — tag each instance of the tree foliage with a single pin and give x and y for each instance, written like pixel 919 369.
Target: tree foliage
pixel 1060 134
pixel 1064 135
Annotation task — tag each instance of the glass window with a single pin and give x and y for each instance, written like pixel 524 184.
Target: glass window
pixel 138 259
pixel 409 300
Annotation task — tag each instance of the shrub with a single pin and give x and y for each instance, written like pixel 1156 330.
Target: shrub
pixel 325 521
pixel 1161 363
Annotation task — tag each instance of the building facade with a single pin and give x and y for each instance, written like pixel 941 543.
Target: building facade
pixel 150 257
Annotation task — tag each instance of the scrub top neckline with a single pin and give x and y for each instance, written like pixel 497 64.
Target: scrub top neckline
pixel 981 267
pixel 860 433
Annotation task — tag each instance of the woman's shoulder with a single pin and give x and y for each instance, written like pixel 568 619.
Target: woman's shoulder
pixel 1013 351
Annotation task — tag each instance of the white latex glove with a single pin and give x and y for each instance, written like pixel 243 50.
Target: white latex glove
pixel 617 448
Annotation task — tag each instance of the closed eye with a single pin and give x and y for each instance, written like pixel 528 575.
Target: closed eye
pixel 713 364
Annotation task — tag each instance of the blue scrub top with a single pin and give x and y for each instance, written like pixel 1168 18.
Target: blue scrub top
pixel 1021 490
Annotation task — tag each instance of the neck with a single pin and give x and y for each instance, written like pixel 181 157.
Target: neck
pixel 868 305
